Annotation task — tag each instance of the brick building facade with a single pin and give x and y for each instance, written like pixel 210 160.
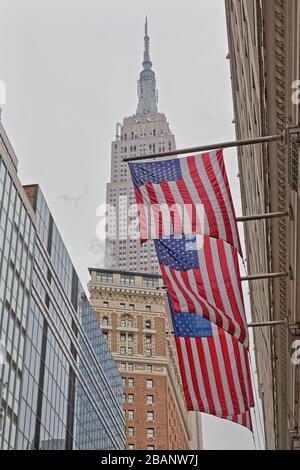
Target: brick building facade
pixel 133 315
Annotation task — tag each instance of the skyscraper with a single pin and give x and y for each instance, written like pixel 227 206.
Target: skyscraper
pixel 146 132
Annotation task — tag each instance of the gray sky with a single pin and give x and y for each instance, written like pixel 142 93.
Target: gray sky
pixel 71 67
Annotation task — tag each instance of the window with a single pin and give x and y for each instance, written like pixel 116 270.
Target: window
pixel 130 338
pixel 148 352
pixel 150 433
pixel 130 351
pixel 123 366
pixel 150 447
pixel 148 339
pixel 130 382
pixel 105 304
pixel 149 282
pixel 149 383
pixel 123 322
pixel 124 397
pixel 130 398
pixel 122 337
pixel 105 334
pixel 131 414
pixel 131 306
pixel 130 324
pixel 148 324
pixel 150 399
pixel 130 447
pixel 150 415
pixel 130 432
pixel 149 368
pixel 122 305
pixel 124 381
pixel 127 279
pixel 104 321
pixel 123 350
pixel 104 277
pixel 130 367
pixel 148 308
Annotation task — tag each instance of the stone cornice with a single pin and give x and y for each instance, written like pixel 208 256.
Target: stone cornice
pixel 127 294
pixel 130 289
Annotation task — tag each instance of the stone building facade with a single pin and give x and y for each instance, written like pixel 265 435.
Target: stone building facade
pixel 264 51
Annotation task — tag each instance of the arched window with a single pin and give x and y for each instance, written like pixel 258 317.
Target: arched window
pixel 104 321
pixel 123 322
pixel 148 324
pixel 130 324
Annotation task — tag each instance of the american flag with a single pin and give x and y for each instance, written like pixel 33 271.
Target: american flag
pixel 186 195
pixel 202 276
pixel 185 205
pixel 214 369
pixel 243 419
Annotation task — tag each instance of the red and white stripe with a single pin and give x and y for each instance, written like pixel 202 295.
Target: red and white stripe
pixel 215 374
pixel 213 290
pixel 243 419
pixel 200 202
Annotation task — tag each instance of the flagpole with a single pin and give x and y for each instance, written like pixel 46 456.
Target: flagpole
pixel 283 137
pixel 267 323
pixel 254 277
pixel 269 215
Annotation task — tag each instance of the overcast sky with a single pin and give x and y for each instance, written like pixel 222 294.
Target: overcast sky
pixel 71 68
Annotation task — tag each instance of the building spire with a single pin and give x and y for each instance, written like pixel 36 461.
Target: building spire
pixel 147 93
pixel 146 50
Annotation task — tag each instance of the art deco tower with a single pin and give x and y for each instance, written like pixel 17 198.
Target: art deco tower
pixel 145 132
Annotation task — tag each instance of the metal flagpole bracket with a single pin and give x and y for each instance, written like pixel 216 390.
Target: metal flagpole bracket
pixel 290 274
pixel 291 130
pixel 286 135
pixel 270 215
pixel 255 277
pixel 291 214
pixel 269 323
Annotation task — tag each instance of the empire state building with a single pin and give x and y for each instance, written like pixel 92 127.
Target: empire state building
pixel 146 132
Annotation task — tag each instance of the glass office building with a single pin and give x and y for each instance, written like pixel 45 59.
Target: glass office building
pixel 17 236
pixel 60 386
